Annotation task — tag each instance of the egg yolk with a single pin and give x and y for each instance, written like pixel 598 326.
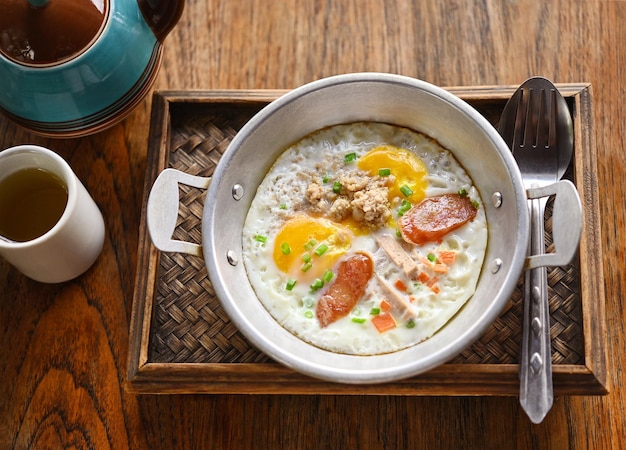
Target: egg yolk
pixel 306 247
pixel 405 166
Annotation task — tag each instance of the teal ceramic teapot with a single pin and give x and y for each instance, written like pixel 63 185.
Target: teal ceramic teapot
pixel 74 67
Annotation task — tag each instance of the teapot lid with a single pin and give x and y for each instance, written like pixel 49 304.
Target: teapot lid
pixel 49 32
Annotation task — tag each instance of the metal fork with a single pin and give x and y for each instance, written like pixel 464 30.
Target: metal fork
pixel 542 144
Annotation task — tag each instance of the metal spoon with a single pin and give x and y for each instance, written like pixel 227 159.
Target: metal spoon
pixel 537 126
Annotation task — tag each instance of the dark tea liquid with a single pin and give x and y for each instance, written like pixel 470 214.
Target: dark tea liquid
pixel 31 202
pixel 51 33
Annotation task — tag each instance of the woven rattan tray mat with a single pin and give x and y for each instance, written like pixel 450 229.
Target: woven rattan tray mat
pixel 180 327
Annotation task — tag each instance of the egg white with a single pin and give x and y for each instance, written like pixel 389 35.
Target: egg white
pixel 282 194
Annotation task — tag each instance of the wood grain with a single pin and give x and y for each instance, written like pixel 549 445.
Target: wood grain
pixel 64 348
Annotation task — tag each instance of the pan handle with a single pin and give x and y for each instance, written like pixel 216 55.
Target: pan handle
pixel 162 210
pixel 567 224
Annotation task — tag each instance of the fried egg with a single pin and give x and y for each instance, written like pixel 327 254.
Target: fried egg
pixel 338 192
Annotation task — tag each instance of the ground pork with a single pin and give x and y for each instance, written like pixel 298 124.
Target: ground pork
pixel 361 197
pixel 371 207
pixel 340 210
pixel 315 195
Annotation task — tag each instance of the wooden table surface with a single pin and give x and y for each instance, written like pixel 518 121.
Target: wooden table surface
pixel 64 348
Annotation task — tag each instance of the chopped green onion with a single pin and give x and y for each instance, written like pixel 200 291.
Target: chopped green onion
pixel 406 191
pixel 309 245
pixel 410 324
pixel 350 157
pixel 306 257
pixel 405 205
pixel 375 311
pixel 431 257
pixel 398 233
pixel 285 248
pixel 260 238
pixel 308 314
pixel 325 178
pixel 384 172
pixel 317 284
pixel 283 206
pixel 328 276
pixel 463 192
pixel 306 266
pixel 321 249
pixel 358 320
pixel 308 302
pixel 336 187
pixel 475 204
pixel 290 284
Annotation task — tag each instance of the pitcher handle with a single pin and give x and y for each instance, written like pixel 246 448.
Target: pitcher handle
pixel 162 211
pixel 161 15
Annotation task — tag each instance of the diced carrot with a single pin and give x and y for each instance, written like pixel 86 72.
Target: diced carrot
pixel 385 305
pixel 423 277
pixel 384 322
pixel 440 268
pixel 399 284
pixel 432 281
pixel 427 262
pixel 435 288
pixel 447 257
pixel 412 298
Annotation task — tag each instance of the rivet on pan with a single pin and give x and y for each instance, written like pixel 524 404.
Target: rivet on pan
pixel 231 256
pixel 495 266
pixel 496 198
pixel 237 192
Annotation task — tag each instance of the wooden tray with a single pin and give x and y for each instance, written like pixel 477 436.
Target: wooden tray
pixel 181 340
